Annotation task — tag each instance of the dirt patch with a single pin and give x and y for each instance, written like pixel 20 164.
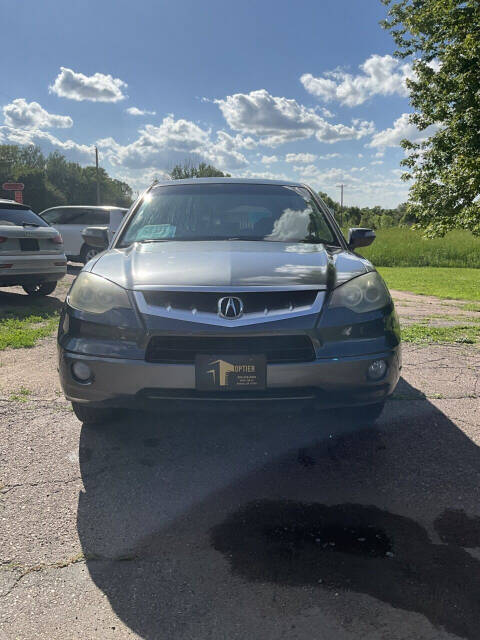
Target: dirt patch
pixel 413 308
pixel 33 369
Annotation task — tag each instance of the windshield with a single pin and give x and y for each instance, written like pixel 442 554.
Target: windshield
pixel 274 213
pixel 15 216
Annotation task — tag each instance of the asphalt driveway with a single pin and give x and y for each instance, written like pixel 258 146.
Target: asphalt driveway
pixel 255 525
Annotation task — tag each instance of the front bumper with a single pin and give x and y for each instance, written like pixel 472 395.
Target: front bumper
pixel 328 382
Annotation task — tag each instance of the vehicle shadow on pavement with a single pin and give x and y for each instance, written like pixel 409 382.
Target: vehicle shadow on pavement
pixel 216 525
pixel 20 305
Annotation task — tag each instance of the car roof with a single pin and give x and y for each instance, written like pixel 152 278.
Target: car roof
pixel 14 203
pixel 87 206
pixel 289 183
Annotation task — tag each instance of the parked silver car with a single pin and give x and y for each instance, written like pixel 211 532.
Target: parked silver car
pixel 225 290
pixel 31 252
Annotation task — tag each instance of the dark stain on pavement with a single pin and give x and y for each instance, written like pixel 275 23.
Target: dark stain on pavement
pixel 356 548
pixel 456 527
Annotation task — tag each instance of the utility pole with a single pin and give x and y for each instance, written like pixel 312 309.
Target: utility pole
pixel 341 203
pixel 98 179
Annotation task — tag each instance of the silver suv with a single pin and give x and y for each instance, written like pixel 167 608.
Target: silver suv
pixel 31 252
pixel 227 290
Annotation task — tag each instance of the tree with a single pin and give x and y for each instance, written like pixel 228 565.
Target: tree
pixel 189 170
pixel 443 38
pixel 53 180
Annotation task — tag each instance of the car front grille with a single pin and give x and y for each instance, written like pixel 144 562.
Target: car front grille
pixel 183 349
pixel 253 301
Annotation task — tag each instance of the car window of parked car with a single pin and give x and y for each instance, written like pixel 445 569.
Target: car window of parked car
pixel 11 216
pixel 86 217
pixel 58 216
pixel 92 217
pixel 274 213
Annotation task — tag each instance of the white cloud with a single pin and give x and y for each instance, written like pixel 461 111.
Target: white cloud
pixel 300 157
pixel 266 175
pixel 73 150
pixel 20 114
pixel 327 113
pixel 160 147
pixel 376 162
pixel 269 159
pixel 97 88
pixel 383 190
pixel 402 128
pixel 135 111
pixel 329 156
pixel 224 152
pixel 383 75
pixel 276 120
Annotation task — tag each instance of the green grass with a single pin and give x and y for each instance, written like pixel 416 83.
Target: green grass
pixel 420 333
pixel 21 395
pixel 402 247
pixel 18 333
pixel 471 306
pixel 23 322
pixel 451 283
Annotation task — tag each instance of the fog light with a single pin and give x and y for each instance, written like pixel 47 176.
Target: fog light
pixel 81 371
pixel 377 369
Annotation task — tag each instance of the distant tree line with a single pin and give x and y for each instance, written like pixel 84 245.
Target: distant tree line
pixel 52 180
pixel 189 170
pixel 371 217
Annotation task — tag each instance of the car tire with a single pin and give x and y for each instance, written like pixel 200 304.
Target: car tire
pixel 363 416
pixel 40 288
pixel 92 416
pixel 87 253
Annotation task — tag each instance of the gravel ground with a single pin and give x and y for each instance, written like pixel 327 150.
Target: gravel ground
pixel 228 526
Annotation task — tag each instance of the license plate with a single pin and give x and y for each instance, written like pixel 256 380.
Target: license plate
pixel 29 244
pixel 230 372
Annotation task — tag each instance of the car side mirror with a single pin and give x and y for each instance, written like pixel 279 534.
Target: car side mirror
pixel 360 237
pixel 96 237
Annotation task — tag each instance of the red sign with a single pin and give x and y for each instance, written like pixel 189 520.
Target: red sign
pixel 13 186
pixel 19 197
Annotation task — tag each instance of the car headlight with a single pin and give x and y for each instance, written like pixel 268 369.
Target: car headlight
pixel 97 295
pixel 362 294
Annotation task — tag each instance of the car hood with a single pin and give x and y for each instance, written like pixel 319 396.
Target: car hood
pixel 228 264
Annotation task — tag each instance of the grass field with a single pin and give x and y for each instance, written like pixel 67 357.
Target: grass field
pixel 460 334
pixel 24 321
pixel 450 283
pixel 402 247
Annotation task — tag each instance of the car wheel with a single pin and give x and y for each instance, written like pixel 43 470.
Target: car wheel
pixel 40 288
pixel 92 415
pixel 363 416
pixel 87 253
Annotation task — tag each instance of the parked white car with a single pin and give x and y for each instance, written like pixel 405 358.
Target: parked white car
pixel 31 252
pixel 71 220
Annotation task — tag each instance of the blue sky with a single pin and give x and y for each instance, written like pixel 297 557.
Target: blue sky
pixel 304 90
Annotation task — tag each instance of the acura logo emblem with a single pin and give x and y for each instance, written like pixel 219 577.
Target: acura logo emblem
pixel 230 308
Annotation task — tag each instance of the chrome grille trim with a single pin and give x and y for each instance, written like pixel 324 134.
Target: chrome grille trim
pixel 193 315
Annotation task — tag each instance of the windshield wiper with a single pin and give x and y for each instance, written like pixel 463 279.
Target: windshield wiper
pixel 30 224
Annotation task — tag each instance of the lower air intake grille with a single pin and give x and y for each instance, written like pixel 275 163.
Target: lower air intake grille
pixel 183 349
